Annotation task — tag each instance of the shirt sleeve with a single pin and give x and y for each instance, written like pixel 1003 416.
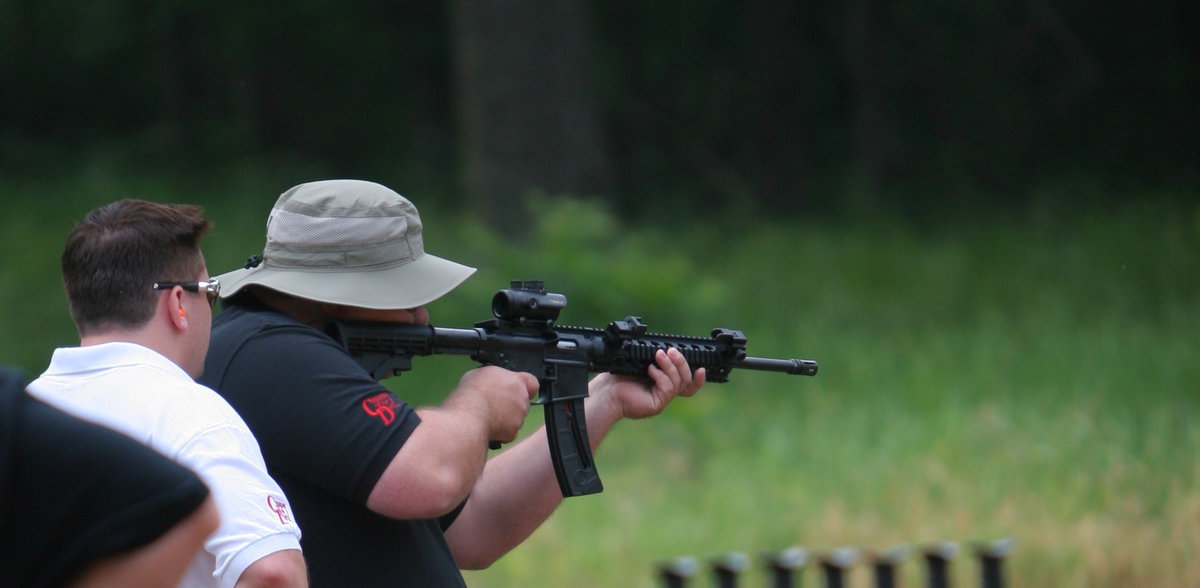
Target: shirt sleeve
pixel 256 519
pixel 80 492
pixel 318 416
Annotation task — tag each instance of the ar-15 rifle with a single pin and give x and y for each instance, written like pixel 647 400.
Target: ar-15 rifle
pixel 523 337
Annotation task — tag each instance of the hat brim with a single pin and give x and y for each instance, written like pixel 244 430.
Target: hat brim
pixel 408 285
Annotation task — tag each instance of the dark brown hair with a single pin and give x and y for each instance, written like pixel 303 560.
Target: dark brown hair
pixel 118 250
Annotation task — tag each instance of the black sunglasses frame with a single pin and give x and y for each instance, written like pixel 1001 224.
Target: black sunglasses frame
pixel 210 287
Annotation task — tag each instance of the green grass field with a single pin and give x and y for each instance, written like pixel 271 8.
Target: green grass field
pixel 1032 376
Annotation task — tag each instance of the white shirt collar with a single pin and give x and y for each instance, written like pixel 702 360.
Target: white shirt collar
pixel 70 360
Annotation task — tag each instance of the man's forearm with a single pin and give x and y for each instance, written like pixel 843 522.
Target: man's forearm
pixel 517 493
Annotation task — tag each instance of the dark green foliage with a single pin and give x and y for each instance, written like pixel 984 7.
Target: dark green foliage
pixel 778 106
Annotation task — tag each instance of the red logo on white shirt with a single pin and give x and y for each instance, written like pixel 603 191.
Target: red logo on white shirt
pixel 382 405
pixel 280 508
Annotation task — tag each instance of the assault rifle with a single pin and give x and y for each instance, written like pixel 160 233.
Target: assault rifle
pixel 523 337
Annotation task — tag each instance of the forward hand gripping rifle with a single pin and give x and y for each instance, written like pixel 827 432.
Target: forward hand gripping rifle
pixel 523 337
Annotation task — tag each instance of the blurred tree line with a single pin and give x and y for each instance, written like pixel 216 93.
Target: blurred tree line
pixel 774 105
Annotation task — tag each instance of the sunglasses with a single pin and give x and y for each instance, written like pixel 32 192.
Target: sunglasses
pixel 211 288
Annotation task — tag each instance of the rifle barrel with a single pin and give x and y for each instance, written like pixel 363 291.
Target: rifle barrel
pixel 795 367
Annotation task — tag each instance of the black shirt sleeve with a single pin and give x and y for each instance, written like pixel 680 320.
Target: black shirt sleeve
pixel 317 414
pixel 72 492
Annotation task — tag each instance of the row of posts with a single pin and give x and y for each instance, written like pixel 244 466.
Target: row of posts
pixel 785 568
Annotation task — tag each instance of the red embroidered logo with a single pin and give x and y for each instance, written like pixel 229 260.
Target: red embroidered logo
pixel 382 405
pixel 280 508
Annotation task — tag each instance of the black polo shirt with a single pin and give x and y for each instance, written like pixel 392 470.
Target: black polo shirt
pixel 327 432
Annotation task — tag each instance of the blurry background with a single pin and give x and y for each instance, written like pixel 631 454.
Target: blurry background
pixel 981 218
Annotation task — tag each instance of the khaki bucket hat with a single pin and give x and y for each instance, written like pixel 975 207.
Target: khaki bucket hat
pixel 348 242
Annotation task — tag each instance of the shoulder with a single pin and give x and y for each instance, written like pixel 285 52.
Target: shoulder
pixel 97 480
pixel 255 346
pixel 132 388
pixel 240 329
pixel 251 345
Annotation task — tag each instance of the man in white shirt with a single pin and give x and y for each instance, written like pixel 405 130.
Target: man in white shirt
pixel 142 299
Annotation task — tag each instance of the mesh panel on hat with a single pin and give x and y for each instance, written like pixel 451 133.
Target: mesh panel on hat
pixel 290 228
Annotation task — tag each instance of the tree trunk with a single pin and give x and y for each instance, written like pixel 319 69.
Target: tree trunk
pixel 873 117
pixel 526 104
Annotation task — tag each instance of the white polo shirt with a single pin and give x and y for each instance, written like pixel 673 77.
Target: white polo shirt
pixel 139 392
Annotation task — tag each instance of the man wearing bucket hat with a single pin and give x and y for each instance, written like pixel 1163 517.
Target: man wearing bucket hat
pixel 141 298
pixel 388 493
